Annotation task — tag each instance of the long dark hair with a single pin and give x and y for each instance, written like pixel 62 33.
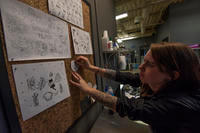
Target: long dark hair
pixel 178 57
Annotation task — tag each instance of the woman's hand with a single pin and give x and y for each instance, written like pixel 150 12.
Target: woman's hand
pixel 84 62
pixel 79 82
pixel 106 99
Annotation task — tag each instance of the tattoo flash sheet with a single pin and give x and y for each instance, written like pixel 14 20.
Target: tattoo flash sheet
pixel 31 34
pixel 69 10
pixel 40 86
pixel 81 41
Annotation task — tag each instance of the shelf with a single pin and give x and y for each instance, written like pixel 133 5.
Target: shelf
pixel 118 51
pixel 133 71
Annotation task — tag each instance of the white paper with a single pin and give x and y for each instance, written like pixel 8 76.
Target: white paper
pixel 81 41
pixel 69 10
pixel 40 86
pixel 31 34
pixel 74 66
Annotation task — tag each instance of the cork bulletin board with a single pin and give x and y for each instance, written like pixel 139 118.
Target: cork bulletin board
pixel 61 116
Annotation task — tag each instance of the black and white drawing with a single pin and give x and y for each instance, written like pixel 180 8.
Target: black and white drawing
pixel 31 34
pixel 74 66
pixel 69 10
pixel 40 86
pixel 81 41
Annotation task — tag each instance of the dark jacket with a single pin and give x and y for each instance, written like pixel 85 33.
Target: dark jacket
pixel 174 109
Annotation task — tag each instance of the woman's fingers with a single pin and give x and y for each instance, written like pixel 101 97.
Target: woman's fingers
pixel 80 62
pixel 74 83
pixel 75 76
pixel 80 58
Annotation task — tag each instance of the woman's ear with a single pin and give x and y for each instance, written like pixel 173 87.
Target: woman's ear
pixel 176 75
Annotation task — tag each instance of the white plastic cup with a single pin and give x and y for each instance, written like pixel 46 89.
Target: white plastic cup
pixel 105 40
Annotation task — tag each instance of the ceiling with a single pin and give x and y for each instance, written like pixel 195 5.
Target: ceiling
pixel 143 16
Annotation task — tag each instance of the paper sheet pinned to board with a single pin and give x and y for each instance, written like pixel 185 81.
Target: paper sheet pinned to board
pixel 69 10
pixel 81 41
pixel 31 34
pixel 40 86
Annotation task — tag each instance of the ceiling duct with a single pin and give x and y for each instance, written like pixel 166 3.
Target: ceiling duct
pixel 143 16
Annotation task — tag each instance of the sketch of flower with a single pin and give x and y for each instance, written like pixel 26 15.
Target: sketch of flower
pixel 48 96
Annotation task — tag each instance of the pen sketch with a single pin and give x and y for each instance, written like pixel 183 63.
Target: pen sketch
pixel 48 96
pixel 74 66
pixel 81 41
pixel 40 86
pixel 31 34
pixel 35 99
pixel 69 10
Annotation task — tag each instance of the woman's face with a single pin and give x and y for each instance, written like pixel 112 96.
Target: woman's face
pixel 150 73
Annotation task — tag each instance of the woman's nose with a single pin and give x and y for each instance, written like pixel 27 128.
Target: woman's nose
pixel 141 66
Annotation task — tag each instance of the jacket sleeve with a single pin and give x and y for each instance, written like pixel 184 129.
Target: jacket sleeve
pixel 128 78
pixel 151 111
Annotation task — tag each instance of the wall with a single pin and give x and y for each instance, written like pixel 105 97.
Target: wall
pixel 183 23
pixel 135 44
pixel 105 21
pixel 106 18
pixel 103 18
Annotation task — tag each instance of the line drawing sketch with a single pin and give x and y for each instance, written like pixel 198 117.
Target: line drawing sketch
pixel 48 96
pixel 35 99
pixel 58 77
pixel 41 83
pixel 31 34
pixel 53 81
pixel 31 83
pixel 69 10
pixel 40 86
pixel 61 88
pixel 81 41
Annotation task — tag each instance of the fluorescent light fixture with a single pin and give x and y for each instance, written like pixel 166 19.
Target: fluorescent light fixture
pixel 119 40
pixel 124 15
pixel 128 38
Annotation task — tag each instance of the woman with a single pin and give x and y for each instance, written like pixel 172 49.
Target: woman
pixel 170 99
